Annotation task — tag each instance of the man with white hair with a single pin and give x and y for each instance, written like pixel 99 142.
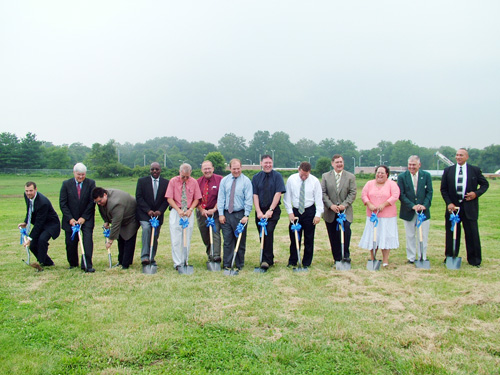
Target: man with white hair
pixel 77 207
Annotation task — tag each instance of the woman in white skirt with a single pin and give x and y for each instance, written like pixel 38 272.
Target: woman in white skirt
pixel 380 197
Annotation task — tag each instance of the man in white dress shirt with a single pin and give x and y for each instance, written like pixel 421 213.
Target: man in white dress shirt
pixel 303 201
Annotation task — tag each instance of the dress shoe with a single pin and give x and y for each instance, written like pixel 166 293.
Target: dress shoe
pixel 264 265
pixel 347 260
pixel 71 267
pixel 124 267
pixel 410 262
pixel 291 265
pixel 90 270
pixel 145 262
pixel 217 259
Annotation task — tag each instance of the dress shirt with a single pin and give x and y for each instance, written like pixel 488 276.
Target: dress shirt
pixel 174 190
pixel 379 194
pixel 276 185
pixel 464 178
pixel 313 193
pixel 243 194
pixel 213 189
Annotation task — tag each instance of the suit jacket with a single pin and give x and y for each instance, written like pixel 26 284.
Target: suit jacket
pixel 74 208
pixel 344 196
pixel 44 217
pixel 475 179
pixel 144 195
pixel 120 212
pixel 408 197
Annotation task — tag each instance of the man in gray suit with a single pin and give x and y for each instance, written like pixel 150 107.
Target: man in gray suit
pixel 339 192
pixel 416 196
pixel 118 209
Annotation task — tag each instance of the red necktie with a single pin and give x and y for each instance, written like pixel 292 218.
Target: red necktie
pixel 204 199
pixel 79 189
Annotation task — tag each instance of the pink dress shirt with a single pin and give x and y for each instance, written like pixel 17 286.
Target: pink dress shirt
pixel 174 190
pixel 379 194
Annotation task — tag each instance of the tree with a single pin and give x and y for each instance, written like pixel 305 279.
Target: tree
pixel 30 151
pixel 9 150
pixel 232 146
pixel 307 147
pixel 218 161
pixel 57 157
pixel 102 156
pixel 258 145
pixel 490 158
pixel 284 150
pixel 401 151
pixel 323 165
pixel 78 152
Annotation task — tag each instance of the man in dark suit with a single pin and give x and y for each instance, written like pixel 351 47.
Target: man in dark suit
pixel 40 214
pixel 461 186
pixel 151 202
pixel 78 207
pixel 339 192
pixel 416 191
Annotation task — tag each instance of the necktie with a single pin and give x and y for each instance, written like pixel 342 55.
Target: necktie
pixel 337 180
pixel 230 208
pixel 79 189
pixel 415 182
pixel 266 200
pixel 204 198
pixel 184 201
pixel 30 210
pixel 302 198
pixel 460 185
pixel 155 187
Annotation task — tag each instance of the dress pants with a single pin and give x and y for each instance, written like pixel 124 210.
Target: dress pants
pixel 268 253
pixel 413 238
pixel 230 239
pixel 40 246
pixel 334 236
pixel 205 234
pixel 146 241
pixel 472 240
pixel 72 246
pixel 126 250
pixel 306 233
pixel 177 238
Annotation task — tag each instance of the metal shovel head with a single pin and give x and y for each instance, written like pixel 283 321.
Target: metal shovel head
pixel 342 266
pixel 150 269
pixel 373 265
pixel 424 264
pixel 300 269
pixel 185 270
pixel 453 263
pixel 259 270
pixel 231 272
pixel 213 266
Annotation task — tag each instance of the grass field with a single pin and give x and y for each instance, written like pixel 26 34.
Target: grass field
pixel 400 320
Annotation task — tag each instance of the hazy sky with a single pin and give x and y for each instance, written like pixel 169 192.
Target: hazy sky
pixel 88 71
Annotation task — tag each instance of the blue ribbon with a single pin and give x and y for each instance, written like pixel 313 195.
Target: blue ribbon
pixel 184 222
pixel 296 227
pixel 23 233
pixel 263 224
pixel 374 219
pixel 340 220
pixel 210 223
pixel 239 229
pixel 75 228
pixel 155 223
pixel 106 232
pixel 420 219
pixel 455 219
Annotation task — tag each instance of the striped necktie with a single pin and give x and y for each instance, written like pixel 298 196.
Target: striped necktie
pixel 460 185
pixel 302 198
pixel 184 201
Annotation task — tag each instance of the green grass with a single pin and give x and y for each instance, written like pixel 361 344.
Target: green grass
pixel 397 321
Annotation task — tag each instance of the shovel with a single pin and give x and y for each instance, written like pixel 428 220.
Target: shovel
pixel 421 263
pixel 150 269
pixel 259 269
pixel 185 269
pixel 296 228
pixel 374 265
pixel 106 236
pixel 24 239
pixel 232 271
pixel 83 251
pixel 342 265
pixel 211 265
pixel 454 262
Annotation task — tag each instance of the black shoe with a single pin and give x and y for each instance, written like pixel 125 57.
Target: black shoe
pixel 124 267
pixel 347 260
pixel 90 270
pixel 71 267
pixel 290 265
pixel 264 265
pixel 145 262
pixel 217 259
pixel 411 261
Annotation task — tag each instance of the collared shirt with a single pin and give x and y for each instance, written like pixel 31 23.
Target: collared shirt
pixel 275 185
pixel 213 189
pixel 464 177
pixel 313 193
pixel 414 178
pixel 174 190
pixel 243 194
pixel 33 202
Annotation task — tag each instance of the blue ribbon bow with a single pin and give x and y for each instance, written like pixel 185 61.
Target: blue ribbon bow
pixel 184 222
pixel 420 219
pixel 239 229
pixel 155 223
pixel 210 223
pixel 75 228
pixel 296 227
pixel 455 219
pixel 23 233
pixel 340 220
pixel 106 232
pixel 263 224
pixel 374 219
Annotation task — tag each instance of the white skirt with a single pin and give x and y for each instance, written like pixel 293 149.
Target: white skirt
pixel 387 234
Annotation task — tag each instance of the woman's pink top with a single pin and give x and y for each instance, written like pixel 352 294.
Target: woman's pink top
pixel 379 194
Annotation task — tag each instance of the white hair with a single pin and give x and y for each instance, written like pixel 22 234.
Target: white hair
pixel 80 168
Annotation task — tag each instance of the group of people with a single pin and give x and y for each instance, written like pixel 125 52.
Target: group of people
pixel 223 206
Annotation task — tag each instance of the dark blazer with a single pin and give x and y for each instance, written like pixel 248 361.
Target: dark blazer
pixel 74 208
pixel 408 197
pixel 43 218
pixel 345 196
pixel 475 178
pixel 144 196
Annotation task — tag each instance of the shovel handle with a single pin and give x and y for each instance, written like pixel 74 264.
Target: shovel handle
pixel 184 236
pixel 262 238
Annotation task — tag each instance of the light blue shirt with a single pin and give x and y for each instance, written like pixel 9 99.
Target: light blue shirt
pixel 243 194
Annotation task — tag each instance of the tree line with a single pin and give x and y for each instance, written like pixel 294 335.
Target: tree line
pixel 113 158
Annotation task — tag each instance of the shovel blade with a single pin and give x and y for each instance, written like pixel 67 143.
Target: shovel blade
pixel 424 264
pixel 213 266
pixel 373 265
pixel 231 272
pixel 185 270
pixel 342 266
pixel 300 269
pixel 150 269
pixel 259 270
pixel 453 263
